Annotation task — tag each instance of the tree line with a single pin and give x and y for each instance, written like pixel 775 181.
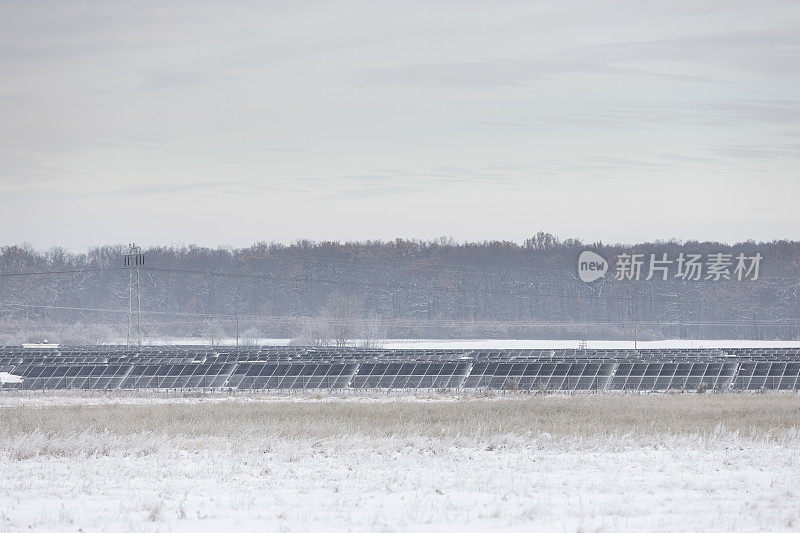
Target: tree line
pixel 320 292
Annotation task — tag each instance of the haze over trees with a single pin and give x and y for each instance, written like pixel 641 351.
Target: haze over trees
pixel 332 292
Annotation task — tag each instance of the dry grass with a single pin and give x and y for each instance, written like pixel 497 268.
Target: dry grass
pixel 763 416
pixel 447 463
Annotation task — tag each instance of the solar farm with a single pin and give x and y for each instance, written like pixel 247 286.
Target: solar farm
pixel 302 368
pixel 299 438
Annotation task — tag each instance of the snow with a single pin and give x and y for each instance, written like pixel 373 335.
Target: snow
pixel 547 344
pixel 154 397
pixel 591 344
pixel 6 377
pixel 407 484
pixel 150 481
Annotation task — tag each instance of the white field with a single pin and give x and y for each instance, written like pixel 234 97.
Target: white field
pixel 513 343
pixel 423 463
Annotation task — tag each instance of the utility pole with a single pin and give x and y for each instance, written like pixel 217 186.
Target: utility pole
pixel 236 311
pixel 133 260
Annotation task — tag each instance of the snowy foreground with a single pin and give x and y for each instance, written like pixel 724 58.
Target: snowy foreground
pixel 592 463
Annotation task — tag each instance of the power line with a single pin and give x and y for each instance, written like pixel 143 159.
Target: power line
pixel 385 286
pixel 414 321
pixel 346 262
pixel 409 264
pixel 273 277
pixel 54 272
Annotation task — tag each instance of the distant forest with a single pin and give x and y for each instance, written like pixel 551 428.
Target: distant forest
pixel 332 292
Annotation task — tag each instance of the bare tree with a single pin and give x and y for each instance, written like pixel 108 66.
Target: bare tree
pixel 341 315
pixel 214 331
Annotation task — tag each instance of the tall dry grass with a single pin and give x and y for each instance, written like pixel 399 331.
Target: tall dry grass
pixel 763 416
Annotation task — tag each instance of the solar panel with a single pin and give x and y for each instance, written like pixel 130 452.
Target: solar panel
pixel 297 367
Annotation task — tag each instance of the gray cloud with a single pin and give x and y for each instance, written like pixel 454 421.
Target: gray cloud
pixel 166 190
pixel 657 114
pixel 790 152
pixel 503 72
pixel 773 52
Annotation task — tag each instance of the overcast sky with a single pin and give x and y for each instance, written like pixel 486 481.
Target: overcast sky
pixel 228 123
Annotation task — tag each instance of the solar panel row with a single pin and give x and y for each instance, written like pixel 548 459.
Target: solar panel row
pixel 259 368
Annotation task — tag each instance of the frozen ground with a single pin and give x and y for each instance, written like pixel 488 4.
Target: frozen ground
pixel 591 463
pixel 517 343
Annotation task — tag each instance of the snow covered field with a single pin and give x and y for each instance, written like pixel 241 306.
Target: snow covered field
pixel 509 344
pixel 581 463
